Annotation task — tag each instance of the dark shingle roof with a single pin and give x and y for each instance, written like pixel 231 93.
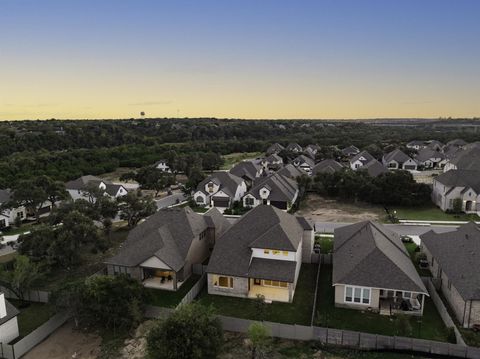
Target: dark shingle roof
pixel 396 155
pixel 350 150
pixel 274 158
pixel 327 166
pixel 374 168
pixel 304 159
pixel 368 254
pixel 11 312
pixel 82 182
pixel 457 142
pixel 291 171
pixel 468 159
pixel 228 182
pixel 262 227
pixel 166 235
pixel 275 148
pixel 294 146
pixel 272 269
pixel 247 169
pixel 281 187
pixel 428 153
pixel 460 178
pixel 458 254
pixel 367 156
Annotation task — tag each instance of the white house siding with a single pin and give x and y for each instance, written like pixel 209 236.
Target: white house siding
pixel 356 165
pixel 449 166
pixel 240 287
pixel 241 190
pixel 340 299
pixel 9 330
pixel 205 200
pixel 10 215
pixel 308 240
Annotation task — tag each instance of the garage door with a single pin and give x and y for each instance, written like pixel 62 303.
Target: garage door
pixel 409 167
pixel 220 202
pixel 279 204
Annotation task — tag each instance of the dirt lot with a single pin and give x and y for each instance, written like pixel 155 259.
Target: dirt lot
pixel 67 343
pixel 320 209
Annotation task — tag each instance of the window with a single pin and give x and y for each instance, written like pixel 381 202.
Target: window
pixel 266 251
pixel 285 253
pixel 275 283
pixel 224 282
pixel 249 201
pixel 3 223
pixel 407 294
pixel 202 235
pixel 257 281
pixel 275 253
pixel 199 199
pixel 357 295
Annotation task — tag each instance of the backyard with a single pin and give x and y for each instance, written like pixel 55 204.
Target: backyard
pixel 32 315
pixel 298 312
pixel 168 298
pixel 429 326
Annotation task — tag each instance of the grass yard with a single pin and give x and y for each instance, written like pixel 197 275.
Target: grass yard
pixel 429 326
pixel 326 243
pixel 170 299
pixel 432 213
pixel 233 158
pixel 32 316
pixel 298 312
pixel 411 248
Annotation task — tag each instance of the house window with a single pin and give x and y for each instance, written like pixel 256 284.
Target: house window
pixel 3 223
pixel 275 283
pixel 266 251
pixel 357 295
pixel 203 235
pixel 285 253
pixel 249 201
pixel 199 199
pixel 275 253
pixel 224 282
pixel 407 294
pixel 210 187
pixel 257 281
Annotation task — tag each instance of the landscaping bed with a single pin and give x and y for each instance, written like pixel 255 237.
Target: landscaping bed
pixel 32 315
pixel 168 298
pixel 429 326
pixel 297 312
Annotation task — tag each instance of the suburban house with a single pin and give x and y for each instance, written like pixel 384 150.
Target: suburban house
pixel 327 166
pixel 429 158
pixel 464 159
pixel 247 170
pixel 454 258
pixel 294 147
pixel 78 189
pixel 291 171
pixel 274 161
pixel 360 160
pixel 220 190
pixel 305 163
pixel 161 251
pixel 275 190
pixel 350 151
pixel 261 254
pixel 8 215
pixel 435 145
pixel 463 185
pixel 372 270
pixel 456 143
pixel 275 149
pixel 374 168
pixel 8 321
pixel 163 166
pixel 398 160
pixel 416 145
pixel 312 149
pixel 308 152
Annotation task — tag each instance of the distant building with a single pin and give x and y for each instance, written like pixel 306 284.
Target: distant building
pixel 275 190
pixel 360 160
pixel 397 159
pixel 220 190
pixel 163 166
pixel 327 166
pixel 9 215
pixel 78 189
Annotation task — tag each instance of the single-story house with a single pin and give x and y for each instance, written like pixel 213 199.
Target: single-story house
pixel 8 321
pixel 163 166
pixel 291 171
pixel 429 158
pixel 220 190
pixel 327 166
pixel 8 215
pixel 305 163
pixel 350 151
pixel 261 254
pixel 372 270
pixel 161 251
pixel 274 149
pixel 275 190
pixel 457 143
pixel 312 149
pixel 454 259
pixel 416 145
pixel 360 159
pixel 397 159
pixel 464 159
pixel 457 184
pixel 248 170
pixel 294 147
pixel 374 168
pixel 78 189
pixel 435 145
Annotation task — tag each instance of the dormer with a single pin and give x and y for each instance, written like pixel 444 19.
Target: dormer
pixel 211 187
pixel 264 192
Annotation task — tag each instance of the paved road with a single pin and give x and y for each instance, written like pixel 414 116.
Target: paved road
pixel 169 200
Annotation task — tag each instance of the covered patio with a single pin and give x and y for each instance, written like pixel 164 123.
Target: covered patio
pixel 277 293
pixel 160 279
pixel 400 302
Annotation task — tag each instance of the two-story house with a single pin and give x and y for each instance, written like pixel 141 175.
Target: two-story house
pixel 220 190
pixel 429 158
pixel 78 189
pixel 161 251
pixel 397 159
pixel 8 214
pixel 305 163
pixel 249 171
pixel 261 254
pixel 275 190
pixel 463 185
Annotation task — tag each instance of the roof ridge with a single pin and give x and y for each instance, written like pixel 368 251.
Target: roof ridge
pixel 388 238
pixel 351 236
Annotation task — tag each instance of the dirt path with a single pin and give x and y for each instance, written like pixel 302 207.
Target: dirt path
pixel 319 209
pixel 66 343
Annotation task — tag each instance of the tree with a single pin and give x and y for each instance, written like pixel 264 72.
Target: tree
pixel 27 193
pixel 195 177
pixel 192 331
pixel 457 205
pixel 55 190
pixel 22 277
pixel 259 337
pixel 134 207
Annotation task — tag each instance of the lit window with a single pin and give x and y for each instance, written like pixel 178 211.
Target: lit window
pixel 276 252
pixel 266 251
pixel 285 253
pixel 224 282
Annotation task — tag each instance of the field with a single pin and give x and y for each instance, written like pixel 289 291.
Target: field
pixel 233 158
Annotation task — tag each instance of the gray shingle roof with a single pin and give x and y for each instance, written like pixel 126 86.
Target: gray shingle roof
pixel 11 312
pixel 458 254
pixel 227 181
pixel 304 159
pixel 457 142
pixel 460 178
pixel 291 171
pixel 275 148
pixel 427 154
pixel 368 254
pixel 281 187
pixel 350 150
pixel 396 155
pixel 166 235
pixel 327 166
pixel 246 169
pixel 272 269
pixel 468 159
pixel 263 227
pixel 374 168
pixel 367 156
pixel 274 158
pixel 294 146
pixel 82 182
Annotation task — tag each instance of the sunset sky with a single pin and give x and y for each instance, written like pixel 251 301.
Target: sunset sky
pixel 239 59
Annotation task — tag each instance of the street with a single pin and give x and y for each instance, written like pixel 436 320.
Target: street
pixel 170 200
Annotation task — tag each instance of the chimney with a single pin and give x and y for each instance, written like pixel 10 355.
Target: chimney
pixel 3 307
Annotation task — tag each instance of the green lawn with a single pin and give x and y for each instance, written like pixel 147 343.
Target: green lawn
pixel 32 316
pixel 411 248
pixel 326 243
pixel 233 158
pixel 429 326
pixel 170 299
pixel 298 312
pixel 431 213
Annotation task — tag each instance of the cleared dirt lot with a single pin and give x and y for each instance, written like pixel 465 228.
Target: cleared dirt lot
pixel 319 209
